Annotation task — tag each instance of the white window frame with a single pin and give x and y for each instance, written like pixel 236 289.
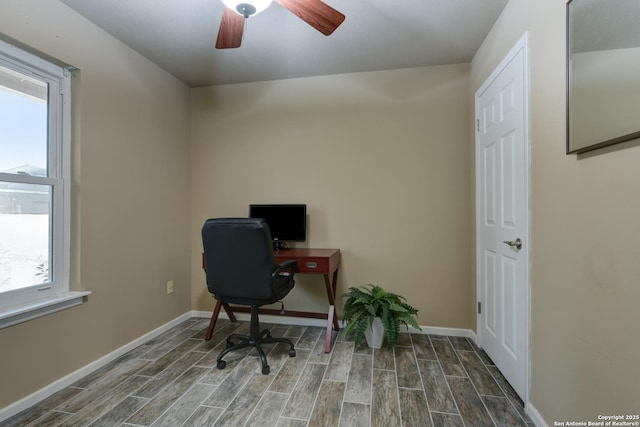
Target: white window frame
pixel 23 304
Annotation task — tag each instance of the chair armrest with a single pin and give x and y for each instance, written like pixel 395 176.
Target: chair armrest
pixel 286 268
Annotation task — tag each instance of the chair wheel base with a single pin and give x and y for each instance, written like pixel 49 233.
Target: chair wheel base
pixel 221 364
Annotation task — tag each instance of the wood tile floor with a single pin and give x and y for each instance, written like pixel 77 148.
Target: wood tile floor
pixel 172 380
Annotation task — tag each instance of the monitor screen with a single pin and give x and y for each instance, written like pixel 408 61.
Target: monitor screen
pixel 286 222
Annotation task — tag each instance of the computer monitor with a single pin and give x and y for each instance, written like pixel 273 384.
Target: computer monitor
pixel 287 222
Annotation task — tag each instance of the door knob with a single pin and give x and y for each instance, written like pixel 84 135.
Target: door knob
pixel 514 244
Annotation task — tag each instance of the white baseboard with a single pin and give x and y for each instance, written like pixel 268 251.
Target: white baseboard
pixel 267 318
pixel 28 401
pixel 454 332
pixel 535 415
pixel 34 398
pixel 302 321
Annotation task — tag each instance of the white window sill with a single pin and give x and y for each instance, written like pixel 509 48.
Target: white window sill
pixel 22 313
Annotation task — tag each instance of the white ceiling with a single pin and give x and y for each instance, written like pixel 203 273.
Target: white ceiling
pixel 179 36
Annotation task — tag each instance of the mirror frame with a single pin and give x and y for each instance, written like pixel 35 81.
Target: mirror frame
pixel 597 145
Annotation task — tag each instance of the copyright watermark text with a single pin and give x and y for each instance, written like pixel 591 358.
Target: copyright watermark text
pixel 603 421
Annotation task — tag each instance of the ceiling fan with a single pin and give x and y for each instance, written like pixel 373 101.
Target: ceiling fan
pixel 319 15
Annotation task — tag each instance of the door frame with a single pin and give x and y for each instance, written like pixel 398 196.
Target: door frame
pixel 521 45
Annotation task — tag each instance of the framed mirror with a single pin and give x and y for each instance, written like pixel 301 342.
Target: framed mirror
pixel 603 73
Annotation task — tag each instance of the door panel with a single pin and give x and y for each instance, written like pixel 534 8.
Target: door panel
pixel 489 158
pixel 509 172
pixel 509 304
pixel 491 293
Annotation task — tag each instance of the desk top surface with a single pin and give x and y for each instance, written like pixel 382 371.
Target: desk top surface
pixel 306 253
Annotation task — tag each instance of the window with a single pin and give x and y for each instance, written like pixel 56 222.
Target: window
pixel 34 186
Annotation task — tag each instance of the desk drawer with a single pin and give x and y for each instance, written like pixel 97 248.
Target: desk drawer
pixel 313 265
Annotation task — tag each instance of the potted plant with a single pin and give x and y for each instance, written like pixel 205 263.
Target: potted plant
pixel 372 312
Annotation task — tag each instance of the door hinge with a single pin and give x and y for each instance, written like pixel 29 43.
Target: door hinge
pixel 478 125
pixel 479 307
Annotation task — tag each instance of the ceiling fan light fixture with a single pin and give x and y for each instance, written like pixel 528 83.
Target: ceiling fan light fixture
pixel 316 13
pixel 247 8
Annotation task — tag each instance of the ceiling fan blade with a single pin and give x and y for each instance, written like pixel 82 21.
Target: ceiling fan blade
pixel 230 32
pixel 319 15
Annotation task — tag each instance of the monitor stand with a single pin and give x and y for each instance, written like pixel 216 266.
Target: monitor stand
pixel 279 245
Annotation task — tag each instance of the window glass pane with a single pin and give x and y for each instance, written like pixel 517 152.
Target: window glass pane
pixel 25 230
pixel 23 124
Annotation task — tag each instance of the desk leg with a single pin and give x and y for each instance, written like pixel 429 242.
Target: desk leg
pixel 332 317
pixel 214 318
pixel 331 294
pixel 327 339
pixel 212 323
pixel 232 317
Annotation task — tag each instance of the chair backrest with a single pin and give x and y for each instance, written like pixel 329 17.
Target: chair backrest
pixel 239 258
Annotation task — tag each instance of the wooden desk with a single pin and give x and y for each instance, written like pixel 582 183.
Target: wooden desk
pixel 310 261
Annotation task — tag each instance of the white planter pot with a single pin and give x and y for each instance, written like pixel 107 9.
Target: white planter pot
pixel 375 334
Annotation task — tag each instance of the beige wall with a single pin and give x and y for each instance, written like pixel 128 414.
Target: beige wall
pixel 131 200
pixel 381 159
pixel 584 252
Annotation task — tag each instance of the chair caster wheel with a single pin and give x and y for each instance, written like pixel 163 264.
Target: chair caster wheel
pixel 221 364
pixel 292 353
pixel 266 370
pixel 229 343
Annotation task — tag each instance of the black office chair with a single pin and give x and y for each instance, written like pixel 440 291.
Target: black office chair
pixel 241 269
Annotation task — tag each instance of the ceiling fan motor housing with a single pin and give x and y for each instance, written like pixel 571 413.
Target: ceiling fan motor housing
pixel 246 9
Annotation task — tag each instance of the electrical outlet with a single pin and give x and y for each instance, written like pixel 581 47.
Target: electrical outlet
pixel 170 287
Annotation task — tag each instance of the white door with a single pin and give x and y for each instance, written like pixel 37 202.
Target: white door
pixel 502 228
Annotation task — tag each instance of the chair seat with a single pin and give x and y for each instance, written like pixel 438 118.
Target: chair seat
pixel 281 287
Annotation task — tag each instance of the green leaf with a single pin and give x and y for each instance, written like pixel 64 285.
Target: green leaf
pixel 394 306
